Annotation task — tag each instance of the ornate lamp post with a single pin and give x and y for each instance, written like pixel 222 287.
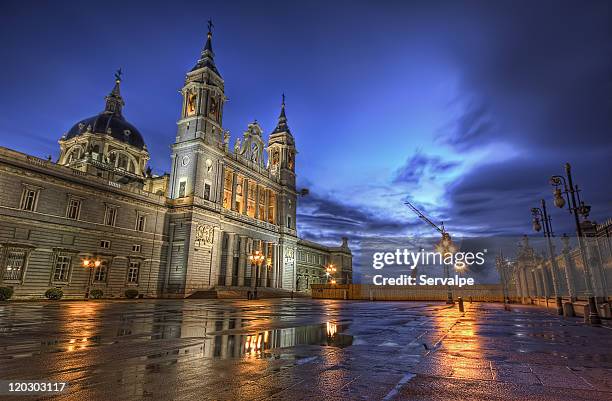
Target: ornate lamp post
pixel 571 192
pixel 257 258
pixel 540 215
pixel 329 272
pixel 91 265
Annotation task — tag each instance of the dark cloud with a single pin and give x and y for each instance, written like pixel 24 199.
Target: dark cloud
pixel 328 219
pixel 496 198
pixel 472 129
pixel 421 166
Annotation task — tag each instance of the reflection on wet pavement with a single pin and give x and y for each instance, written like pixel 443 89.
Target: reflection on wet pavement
pixel 302 349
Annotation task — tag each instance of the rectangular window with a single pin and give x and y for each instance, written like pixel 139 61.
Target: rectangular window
pixel 133 271
pixel 182 189
pixel 136 248
pixel 74 208
pixel 105 244
pixel 110 216
pixel 101 272
pixel 252 196
pixel 271 207
pixel 288 221
pixel 29 199
pixel 207 191
pixel 14 264
pixel 239 194
pixel 61 270
pixel 141 221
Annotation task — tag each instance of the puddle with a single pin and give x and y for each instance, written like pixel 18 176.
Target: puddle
pixel 259 343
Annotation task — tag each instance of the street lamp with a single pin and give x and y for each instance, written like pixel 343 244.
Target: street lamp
pixel 443 247
pixel 257 258
pixel 329 272
pixel 541 215
pixel 567 188
pixel 91 265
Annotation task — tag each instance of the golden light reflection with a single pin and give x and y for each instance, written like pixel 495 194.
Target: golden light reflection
pixel 461 349
pixel 255 343
pixel 332 329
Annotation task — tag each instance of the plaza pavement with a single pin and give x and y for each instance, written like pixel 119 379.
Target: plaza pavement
pixel 302 349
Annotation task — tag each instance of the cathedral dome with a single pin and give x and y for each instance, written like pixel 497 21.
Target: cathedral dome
pixel 110 121
pixel 112 124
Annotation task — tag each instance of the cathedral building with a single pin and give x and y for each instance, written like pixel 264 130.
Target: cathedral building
pixel 222 222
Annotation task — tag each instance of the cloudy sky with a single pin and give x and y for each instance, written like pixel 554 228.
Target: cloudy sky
pixel 465 108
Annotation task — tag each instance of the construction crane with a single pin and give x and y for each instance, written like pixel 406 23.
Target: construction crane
pixel 444 246
pixel 440 228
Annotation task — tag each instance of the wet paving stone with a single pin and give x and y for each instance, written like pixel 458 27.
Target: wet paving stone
pixel 303 349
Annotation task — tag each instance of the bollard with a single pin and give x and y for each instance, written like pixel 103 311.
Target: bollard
pixel 460 300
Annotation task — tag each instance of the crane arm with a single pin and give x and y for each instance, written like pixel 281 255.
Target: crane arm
pixel 424 218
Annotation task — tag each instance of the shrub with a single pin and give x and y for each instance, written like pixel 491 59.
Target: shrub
pixel 54 293
pixel 131 293
pixel 96 294
pixel 5 293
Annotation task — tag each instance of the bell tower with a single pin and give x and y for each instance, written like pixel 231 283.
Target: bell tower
pixel 281 151
pixel 281 158
pixel 203 99
pixel 200 138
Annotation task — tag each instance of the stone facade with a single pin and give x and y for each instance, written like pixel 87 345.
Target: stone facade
pixel 314 259
pixel 170 235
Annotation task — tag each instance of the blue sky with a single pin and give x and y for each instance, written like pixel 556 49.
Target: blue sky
pixel 466 108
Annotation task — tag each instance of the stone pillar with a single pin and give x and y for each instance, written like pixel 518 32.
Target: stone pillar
pixel 273 270
pixel 254 267
pixel 544 279
pixel 215 257
pixel 245 196
pixel 242 260
pixel 536 279
pixel 569 275
pixel 234 183
pixel 220 183
pixel 264 267
pixel 527 289
pixel 257 202
pixel 229 267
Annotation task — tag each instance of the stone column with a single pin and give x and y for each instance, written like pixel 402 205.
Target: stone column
pixel 215 257
pixel 264 267
pixel 569 275
pixel 245 196
pixel 257 202
pixel 544 278
pixel 220 183
pixel 234 183
pixel 273 273
pixel 254 268
pixel 536 280
pixel 242 260
pixel 518 286
pixel 229 267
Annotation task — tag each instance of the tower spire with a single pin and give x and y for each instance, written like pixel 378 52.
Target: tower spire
pixel 282 120
pixel 114 101
pixel 207 57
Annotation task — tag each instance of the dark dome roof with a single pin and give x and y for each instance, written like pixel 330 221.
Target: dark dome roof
pixel 109 123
